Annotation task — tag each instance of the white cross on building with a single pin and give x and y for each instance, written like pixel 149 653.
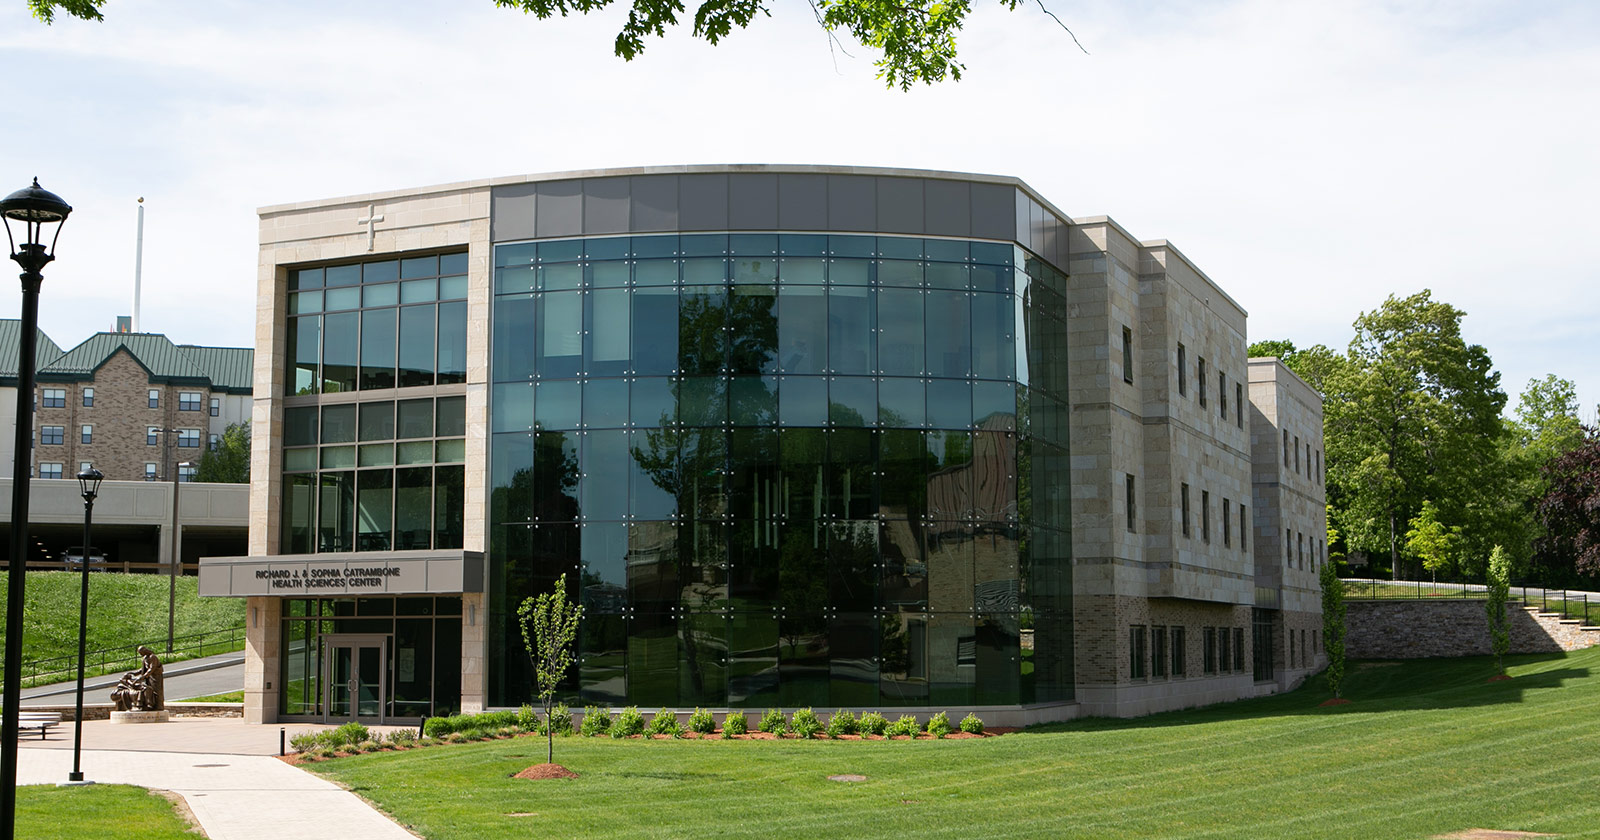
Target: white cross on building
pixel 370 220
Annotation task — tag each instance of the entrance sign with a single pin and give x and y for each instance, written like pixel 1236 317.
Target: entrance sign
pixel 345 573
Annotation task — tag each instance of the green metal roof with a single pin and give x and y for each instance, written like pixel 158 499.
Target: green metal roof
pixel 231 369
pixel 221 368
pixel 11 338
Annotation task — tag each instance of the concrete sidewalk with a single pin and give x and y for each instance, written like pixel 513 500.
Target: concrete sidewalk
pixel 223 768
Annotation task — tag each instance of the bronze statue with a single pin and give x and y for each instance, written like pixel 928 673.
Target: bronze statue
pixel 141 690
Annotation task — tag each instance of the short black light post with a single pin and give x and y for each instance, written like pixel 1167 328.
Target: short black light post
pixel 35 210
pixel 89 483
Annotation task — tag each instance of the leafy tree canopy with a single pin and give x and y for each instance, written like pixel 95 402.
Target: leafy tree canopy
pixel 917 38
pixel 1570 513
pixel 229 461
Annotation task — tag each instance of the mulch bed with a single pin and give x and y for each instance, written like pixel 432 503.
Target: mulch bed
pixel 546 771
pixel 1500 678
pixel 1337 701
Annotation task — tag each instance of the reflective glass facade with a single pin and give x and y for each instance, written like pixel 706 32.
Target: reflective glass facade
pixel 783 469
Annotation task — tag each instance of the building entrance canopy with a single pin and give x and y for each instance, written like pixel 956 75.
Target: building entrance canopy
pixel 364 573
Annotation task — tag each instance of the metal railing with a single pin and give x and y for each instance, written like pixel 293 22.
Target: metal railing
pixel 125 657
pixel 1584 606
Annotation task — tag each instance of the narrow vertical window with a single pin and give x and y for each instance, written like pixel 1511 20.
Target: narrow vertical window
pixel 1183 372
pixel 1127 355
pixel 153 398
pixel 88 398
pixel 1297 454
pixel 1286 447
pixel 1158 651
pixel 1238 404
pixel 1132 508
pixel 1183 500
pixel 1244 528
pixel 1227 522
pixel 1136 653
pixel 1179 664
pixel 1238 648
pixel 1222 395
pixel 1288 548
pixel 1200 379
pixel 1205 516
pixel 87 434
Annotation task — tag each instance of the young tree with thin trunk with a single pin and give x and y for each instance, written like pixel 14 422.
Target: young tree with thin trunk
pixel 1333 626
pixel 1499 589
pixel 549 626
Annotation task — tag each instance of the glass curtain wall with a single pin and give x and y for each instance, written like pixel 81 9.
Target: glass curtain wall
pixel 423 652
pixel 784 469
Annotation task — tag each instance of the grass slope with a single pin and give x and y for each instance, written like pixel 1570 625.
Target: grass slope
pixel 124 610
pixel 50 813
pixel 1427 747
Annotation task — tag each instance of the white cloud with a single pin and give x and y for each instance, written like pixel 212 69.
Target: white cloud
pixel 1313 158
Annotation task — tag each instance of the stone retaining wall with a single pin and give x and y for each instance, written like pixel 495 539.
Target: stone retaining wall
pixel 1417 629
pixel 102 711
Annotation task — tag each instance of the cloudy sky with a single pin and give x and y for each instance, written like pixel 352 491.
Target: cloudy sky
pixel 1312 157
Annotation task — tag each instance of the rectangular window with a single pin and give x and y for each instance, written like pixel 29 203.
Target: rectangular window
pixel 1178 653
pixel 1127 355
pixel 1244 528
pixel 1297 454
pixel 52 435
pixel 1158 651
pixel 1136 652
pixel 1183 500
pixel 1227 522
pixel 49 470
pixel 151 435
pixel 1210 662
pixel 88 398
pixel 212 442
pixel 149 471
pixel 186 472
pixel 85 466
pixel 188 401
pixel 1301 539
pixel 1200 379
pixel 1222 395
pixel 189 438
pixel 1238 648
pixel 1205 516
pixel 1288 547
pixel 1183 372
pixel 1286 447
pixel 216 406
pixel 1224 661
pixel 86 434
pixel 1238 405
pixel 55 398
pixel 153 398
pixel 1132 510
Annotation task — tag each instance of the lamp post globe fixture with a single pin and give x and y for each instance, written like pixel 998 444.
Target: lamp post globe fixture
pixel 28 215
pixel 89 485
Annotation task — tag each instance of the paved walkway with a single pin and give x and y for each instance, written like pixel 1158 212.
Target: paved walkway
pixel 223 768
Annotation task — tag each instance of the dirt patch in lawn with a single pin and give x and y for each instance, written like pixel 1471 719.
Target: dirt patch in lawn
pixel 546 771
pixel 1337 701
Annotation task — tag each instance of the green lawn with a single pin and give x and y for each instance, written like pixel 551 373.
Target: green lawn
pixel 125 610
pixel 45 812
pixel 1428 747
pixel 226 697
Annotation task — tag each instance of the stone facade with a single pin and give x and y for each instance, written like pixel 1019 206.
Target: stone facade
pixel 1419 629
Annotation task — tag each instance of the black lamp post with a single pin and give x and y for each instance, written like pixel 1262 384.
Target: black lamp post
pixel 35 210
pixel 89 483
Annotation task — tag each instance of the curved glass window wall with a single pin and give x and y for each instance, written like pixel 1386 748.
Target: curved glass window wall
pixel 784 470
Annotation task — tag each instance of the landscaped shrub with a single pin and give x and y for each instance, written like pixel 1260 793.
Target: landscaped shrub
pixel 630 722
pixel 842 722
pixel 734 724
pixel 304 742
pixel 772 721
pixel 971 723
pixel 527 719
pixel 665 723
pixel 702 722
pixel 872 723
pixel 402 738
pixel 596 721
pixel 939 725
pixel 906 725
pixel 350 734
pixel 492 721
pixel 561 719
pixel 324 752
pixel 367 746
pixel 805 722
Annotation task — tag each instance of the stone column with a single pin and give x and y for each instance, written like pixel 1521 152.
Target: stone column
pixel 262 643
pixel 474 678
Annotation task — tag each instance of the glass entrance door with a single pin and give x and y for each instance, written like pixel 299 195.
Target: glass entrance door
pixel 356 679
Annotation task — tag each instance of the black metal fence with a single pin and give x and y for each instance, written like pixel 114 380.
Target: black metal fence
pixel 1584 606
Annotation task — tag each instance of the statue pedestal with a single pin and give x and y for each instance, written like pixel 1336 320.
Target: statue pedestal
pixel 139 717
